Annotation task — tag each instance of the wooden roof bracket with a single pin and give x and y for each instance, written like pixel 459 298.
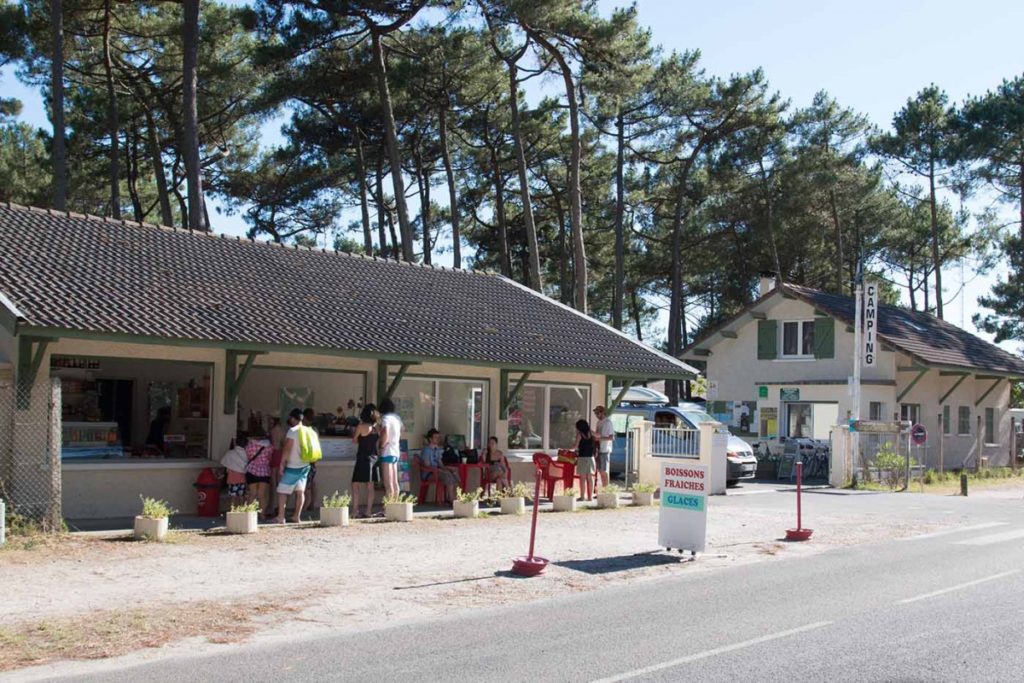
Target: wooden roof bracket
pixel 384 389
pixel 963 376
pixel 508 397
pixel 912 383
pixel 988 391
pixel 234 376
pixel 31 351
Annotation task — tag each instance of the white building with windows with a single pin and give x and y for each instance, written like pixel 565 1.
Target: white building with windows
pixel 782 367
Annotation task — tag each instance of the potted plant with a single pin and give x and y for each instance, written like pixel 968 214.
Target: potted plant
pixel 608 497
pixel 513 499
pixel 643 494
pixel 242 518
pixel 566 502
pixel 152 523
pixel 467 503
pixel 334 510
pixel 398 508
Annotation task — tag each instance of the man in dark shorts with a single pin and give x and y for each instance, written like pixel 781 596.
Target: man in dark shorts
pixel 309 420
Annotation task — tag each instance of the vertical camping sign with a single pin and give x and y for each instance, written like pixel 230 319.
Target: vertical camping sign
pixel 683 519
pixel 870 322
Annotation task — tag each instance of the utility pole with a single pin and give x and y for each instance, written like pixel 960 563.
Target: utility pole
pixel 857 352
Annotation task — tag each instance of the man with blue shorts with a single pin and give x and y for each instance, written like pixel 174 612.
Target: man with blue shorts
pixel 294 471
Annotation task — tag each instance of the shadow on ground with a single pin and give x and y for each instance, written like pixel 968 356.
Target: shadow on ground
pixel 619 563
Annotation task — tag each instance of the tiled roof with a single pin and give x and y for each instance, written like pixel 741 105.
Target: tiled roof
pixel 922 335
pixel 80 273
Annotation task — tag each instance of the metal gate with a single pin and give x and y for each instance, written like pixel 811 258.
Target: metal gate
pixel 30 445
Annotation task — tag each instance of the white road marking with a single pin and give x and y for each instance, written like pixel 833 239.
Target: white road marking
pixel 994 538
pixel 711 653
pixel 959 587
pixel 956 530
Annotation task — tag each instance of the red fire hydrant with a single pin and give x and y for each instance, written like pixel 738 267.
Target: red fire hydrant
pixel 207 493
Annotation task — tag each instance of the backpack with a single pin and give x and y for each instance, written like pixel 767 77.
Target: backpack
pixel 450 457
pixel 309 444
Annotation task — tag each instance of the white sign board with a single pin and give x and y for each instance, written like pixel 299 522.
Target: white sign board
pixel 870 322
pixel 683 520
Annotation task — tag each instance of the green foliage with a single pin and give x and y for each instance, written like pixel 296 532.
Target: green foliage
pixel 570 492
pixel 251 506
pixel 336 500
pixel 24 165
pixel 399 498
pixel 641 487
pixel 154 508
pixel 467 496
pixel 516 490
pixel 611 488
pixel 892 465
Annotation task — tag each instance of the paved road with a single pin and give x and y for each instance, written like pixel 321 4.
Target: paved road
pixel 944 606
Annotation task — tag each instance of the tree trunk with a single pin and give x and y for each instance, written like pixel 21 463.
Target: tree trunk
pixel 837 229
pixel 132 161
pixel 190 115
pixel 364 205
pixel 1020 168
pixel 381 209
pixel 675 309
pixel 575 197
pixel 936 263
pixel 394 154
pixel 565 285
pixel 635 310
pixel 912 289
pixel 182 204
pixel 156 156
pixel 453 200
pixel 499 210
pixel 113 120
pixel 423 189
pixel 394 237
pixel 533 278
pixel 620 209
pixel 60 164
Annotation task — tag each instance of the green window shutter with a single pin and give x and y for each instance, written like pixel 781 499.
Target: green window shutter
pixel 767 339
pixel 824 338
pixel 946 429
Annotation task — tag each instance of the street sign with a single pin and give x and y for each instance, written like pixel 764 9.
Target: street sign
pixel 786 395
pixel 918 434
pixel 683 519
pixel 878 426
pixel 870 323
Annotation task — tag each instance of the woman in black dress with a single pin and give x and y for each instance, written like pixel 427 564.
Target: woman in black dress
pixel 365 436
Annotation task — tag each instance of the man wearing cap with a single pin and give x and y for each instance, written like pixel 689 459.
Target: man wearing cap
pixel 294 471
pixel 605 433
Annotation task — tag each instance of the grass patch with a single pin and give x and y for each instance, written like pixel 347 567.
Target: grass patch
pixel 111 633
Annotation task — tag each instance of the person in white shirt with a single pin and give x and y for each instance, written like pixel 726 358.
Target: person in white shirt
pixel 294 471
pixel 605 433
pixel 390 446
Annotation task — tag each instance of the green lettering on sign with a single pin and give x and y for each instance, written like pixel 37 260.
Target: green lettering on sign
pixel 683 501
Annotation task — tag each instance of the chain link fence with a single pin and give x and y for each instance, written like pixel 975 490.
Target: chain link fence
pixel 30 447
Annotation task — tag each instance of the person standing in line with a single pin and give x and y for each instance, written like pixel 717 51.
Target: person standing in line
pixel 604 430
pixel 390 446
pixel 584 448
pixel 367 435
pixel 276 443
pixel 294 471
pixel 309 420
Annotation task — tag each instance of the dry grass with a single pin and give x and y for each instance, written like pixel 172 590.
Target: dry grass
pixel 110 633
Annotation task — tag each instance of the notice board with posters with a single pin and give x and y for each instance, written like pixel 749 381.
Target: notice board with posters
pixel 683 521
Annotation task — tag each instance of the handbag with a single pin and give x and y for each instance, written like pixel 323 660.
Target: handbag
pixel 472 456
pixel 450 457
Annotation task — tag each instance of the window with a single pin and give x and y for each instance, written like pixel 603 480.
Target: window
pixel 946 427
pixel 910 412
pixel 963 423
pixel 545 416
pixel 456 408
pixel 623 423
pixel 800 420
pixel 875 409
pixel 798 339
pixel 990 425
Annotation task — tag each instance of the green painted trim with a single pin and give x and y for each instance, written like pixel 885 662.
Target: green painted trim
pixel 54 333
pixel 987 392
pixel 957 383
pixel 509 397
pixel 952 373
pixel 729 334
pixel 910 386
pixel 912 368
pixel 234 377
pixel 302 368
pixel 427 375
pixel 385 390
pixel 614 405
pixel 31 351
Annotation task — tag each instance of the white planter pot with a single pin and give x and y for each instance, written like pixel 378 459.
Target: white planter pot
pixel 643 498
pixel 513 506
pixel 398 512
pixel 607 500
pixel 333 516
pixel 150 529
pixel 469 509
pixel 564 503
pixel 241 522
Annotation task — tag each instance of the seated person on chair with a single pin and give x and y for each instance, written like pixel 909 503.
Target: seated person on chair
pixel 496 464
pixel 431 456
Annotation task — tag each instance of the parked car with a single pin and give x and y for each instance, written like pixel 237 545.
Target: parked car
pixel 740 460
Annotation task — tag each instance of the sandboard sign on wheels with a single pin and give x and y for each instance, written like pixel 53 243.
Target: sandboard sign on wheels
pixel 683 520
pixel 918 434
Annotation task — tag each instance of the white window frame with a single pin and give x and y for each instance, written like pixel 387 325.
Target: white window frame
pixel 914 410
pixel 546 422
pixel 483 388
pixel 801 355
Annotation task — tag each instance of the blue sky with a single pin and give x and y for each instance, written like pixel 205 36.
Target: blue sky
pixel 870 55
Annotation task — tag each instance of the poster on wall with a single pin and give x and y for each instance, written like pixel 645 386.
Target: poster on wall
pixel 290 398
pixel 739 416
pixel 768 417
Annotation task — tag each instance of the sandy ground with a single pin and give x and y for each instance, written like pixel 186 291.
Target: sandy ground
pixel 374 573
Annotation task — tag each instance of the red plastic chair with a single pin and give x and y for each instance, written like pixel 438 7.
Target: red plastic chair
pixel 440 496
pixel 551 472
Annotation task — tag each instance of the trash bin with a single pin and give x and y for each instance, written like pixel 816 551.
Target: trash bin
pixel 207 493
